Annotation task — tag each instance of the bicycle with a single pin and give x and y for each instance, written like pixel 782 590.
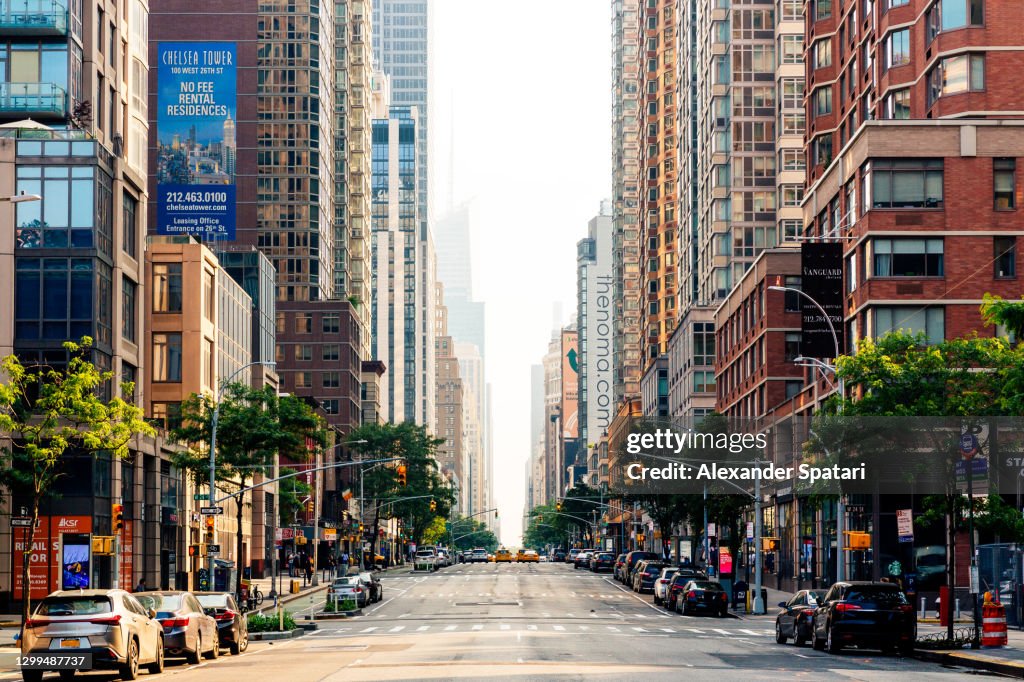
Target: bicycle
pixel 256 596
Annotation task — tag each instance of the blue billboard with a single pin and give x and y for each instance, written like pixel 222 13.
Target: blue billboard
pixel 196 139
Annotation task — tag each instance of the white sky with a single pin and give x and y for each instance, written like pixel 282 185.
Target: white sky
pixel 526 86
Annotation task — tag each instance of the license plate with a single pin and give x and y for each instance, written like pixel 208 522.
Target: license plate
pixel 70 643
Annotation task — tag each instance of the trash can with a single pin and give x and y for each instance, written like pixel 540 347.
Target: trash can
pixel 294 587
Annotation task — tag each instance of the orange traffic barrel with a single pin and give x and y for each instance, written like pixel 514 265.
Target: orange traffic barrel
pixel 993 625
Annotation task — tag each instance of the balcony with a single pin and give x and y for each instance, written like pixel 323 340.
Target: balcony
pixel 33 18
pixel 43 100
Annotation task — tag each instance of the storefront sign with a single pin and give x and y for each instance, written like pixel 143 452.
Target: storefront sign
pixel 821 279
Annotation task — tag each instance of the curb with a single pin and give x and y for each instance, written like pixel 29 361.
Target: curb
pixel 973 660
pixel 274 636
pixel 338 615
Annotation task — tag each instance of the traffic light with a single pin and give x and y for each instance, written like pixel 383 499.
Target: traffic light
pixel 360 528
pixel 117 517
pixel 193 550
pixel 401 474
pixel 433 506
pixel 309 506
pixel 211 523
pixel 558 506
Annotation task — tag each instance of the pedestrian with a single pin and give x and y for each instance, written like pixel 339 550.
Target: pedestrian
pixel 141 587
pixel 309 569
pixel 291 564
pixel 344 564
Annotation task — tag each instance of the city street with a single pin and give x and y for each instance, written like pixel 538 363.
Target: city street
pixel 532 620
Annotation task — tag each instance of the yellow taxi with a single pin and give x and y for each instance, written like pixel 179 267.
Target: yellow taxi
pixel 527 556
pixel 502 555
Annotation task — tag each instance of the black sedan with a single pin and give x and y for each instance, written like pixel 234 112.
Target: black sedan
pixel 680 580
pixel 232 626
pixel 602 561
pixel 188 631
pixel 645 574
pixel 868 614
pixel 794 619
pixel 703 596
pixel 582 560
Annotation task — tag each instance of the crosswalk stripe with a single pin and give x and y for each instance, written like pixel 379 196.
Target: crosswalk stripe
pixel 505 626
pixel 641 615
pixel 699 632
pixel 531 627
pixel 397 628
pixel 478 626
pixel 423 628
pixel 721 631
pixel 584 627
pixel 559 627
pixel 640 629
pixel 450 628
pixel 371 629
pixel 668 630
pixel 749 632
pixel 613 628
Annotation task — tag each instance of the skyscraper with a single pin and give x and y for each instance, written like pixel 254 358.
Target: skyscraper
pixel 400 49
pixel 229 148
pixel 402 309
pixel 466 316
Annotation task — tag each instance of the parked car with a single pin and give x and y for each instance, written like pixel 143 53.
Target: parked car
pixel 558 555
pixel 702 596
pixel 443 558
pixel 646 573
pixel 794 618
pixel 374 588
pixel 527 556
pixel 632 558
pixel 109 624
pixel 620 563
pixel 232 625
pixel 188 631
pixel 478 556
pixel 876 615
pixel 682 577
pixel 349 587
pixel 602 561
pixel 502 555
pixel 571 556
pixel 582 559
pixel 426 557
pixel 661 584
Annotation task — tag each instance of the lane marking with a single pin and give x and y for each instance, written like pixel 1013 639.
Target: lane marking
pixel 423 628
pixel 450 628
pixel 560 628
pixel 749 632
pixel 478 626
pixel 397 628
pixel 371 628
pixel 504 626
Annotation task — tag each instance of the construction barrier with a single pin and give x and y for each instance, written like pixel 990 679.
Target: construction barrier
pixel 993 625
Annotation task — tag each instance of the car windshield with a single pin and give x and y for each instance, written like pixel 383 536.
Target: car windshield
pixel 605 557
pixel 669 572
pixel 882 596
pixel 213 601
pixel 73 606
pixel 160 602
pixel 345 582
pixel 815 596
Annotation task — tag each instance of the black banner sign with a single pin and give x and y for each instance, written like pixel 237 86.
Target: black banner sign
pixel 821 278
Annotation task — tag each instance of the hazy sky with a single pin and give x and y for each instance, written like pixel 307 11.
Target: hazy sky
pixel 525 85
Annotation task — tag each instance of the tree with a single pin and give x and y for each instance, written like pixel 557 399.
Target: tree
pixel 1009 314
pixel 384 497
pixel 253 425
pixel 290 493
pixel 469 533
pixel 52 414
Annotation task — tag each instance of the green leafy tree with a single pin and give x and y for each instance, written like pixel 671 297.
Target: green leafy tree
pixel 291 492
pixel 52 414
pixel 469 533
pixel 253 426
pixel 1009 314
pixel 436 532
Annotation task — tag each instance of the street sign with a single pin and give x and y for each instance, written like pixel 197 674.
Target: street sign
pixel 211 511
pixel 712 531
pixel 905 525
pixel 212 550
pixel 975 582
pixel 968 445
pixel 750 530
pixel 200 496
pixel 21 521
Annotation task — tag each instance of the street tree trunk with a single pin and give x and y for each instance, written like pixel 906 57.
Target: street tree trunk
pixel 26 572
pixel 240 500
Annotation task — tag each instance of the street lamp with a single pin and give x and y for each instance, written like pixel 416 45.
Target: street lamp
pixel 840 506
pixel 20 197
pixel 213 448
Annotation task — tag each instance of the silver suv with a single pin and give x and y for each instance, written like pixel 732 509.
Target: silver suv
pixel 110 624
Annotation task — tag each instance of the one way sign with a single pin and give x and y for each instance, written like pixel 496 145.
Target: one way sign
pixel 211 511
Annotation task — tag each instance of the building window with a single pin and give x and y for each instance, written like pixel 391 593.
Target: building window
pixel 129 225
pixel 822 9
pixel 166 415
pixel 823 53
pixel 908 257
pixel 208 356
pixel 897 104
pixel 167 287
pixel 897 48
pixel 896 3
pixel 791 230
pixel 792 346
pixel 703 381
pixel 209 294
pixel 823 150
pixel 330 406
pixel 1003 183
pixel 823 101
pixel 793 389
pixel 128 309
pixel 905 183
pixel 792 195
pixel 330 352
pixel 331 379
pixel 931 321
pixel 167 357
pixel 303 323
pixel 792 300
pixel 954 75
pixel 792 49
pixel 331 324
pixel 1004 257
pixel 954 14
pixel 303 380
pixel 303 353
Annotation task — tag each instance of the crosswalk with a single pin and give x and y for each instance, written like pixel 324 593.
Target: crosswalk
pixel 647 629
pixel 492 595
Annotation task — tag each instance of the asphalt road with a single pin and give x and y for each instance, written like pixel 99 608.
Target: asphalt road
pixel 537 621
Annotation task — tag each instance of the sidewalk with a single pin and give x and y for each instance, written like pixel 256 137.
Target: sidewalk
pixel 1007 660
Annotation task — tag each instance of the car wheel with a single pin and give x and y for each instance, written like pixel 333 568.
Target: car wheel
pixel 905 648
pixel 799 639
pixel 130 669
pixel 32 675
pixel 832 644
pixel 157 666
pixel 817 644
pixel 657 602
pixel 780 638
pixel 192 657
